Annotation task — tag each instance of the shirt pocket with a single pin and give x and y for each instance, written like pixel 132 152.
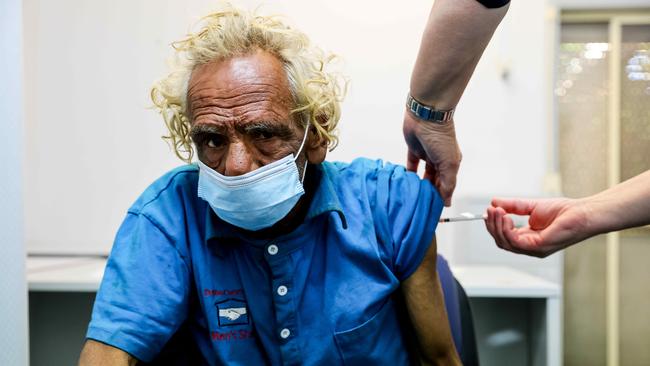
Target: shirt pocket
pixel 378 341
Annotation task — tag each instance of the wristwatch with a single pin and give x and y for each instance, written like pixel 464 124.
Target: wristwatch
pixel 427 113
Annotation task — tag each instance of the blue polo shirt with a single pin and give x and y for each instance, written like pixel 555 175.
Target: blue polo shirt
pixel 320 295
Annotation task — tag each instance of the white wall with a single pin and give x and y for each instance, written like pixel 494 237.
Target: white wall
pixel 13 302
pixel 92 145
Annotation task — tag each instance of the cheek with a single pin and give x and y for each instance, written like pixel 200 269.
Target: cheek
pixel 211 156
pixel 256 154
pixel 273 149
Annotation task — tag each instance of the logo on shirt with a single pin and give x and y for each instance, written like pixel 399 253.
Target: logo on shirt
pixel 232 312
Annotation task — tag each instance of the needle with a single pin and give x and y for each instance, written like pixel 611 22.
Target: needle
pixel 465 216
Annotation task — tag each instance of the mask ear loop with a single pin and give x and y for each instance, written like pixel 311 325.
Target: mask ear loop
pixel 304 139
pixel 302 144
pixel 304 170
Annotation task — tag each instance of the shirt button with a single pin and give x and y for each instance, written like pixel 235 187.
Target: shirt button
pixel 272 249
pixel 282 290
pixel 285 333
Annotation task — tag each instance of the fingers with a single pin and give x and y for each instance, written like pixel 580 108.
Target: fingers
pixel 515 206
pixel 412 162
pixel 500 225
pixel 431 174
pixel 507 237
pixel 493 228
pixel 498 228
pixel 445 187
pixel 488 221
pixel 443 179
pixel 437 146
pixel 502 229
pixel 446 170
pixel 512 237
pixel 447 184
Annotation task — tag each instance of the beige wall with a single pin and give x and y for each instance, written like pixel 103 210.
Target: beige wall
pixel 606 285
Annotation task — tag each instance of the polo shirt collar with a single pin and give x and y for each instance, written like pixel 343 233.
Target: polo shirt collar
pixel 325 200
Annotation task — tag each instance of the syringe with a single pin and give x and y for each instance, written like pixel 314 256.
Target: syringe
pixel 465 216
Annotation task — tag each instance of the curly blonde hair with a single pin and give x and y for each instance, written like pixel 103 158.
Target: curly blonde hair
pixel 317 93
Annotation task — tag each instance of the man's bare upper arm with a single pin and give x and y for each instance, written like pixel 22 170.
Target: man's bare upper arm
pixel 99 354
pixel 426 307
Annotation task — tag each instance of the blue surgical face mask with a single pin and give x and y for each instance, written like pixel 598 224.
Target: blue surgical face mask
pixel 257 199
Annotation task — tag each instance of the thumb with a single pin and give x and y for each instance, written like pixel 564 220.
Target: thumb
pixel 447 185
pixel 412 162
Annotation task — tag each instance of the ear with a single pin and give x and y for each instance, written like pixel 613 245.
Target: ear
pixel 315 147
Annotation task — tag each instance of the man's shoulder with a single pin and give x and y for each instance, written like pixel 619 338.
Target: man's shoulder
pixel 170 189
pixel 364 169
pixel 381 182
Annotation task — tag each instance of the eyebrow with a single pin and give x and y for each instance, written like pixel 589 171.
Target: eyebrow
pixel 275 128
pixel 201 130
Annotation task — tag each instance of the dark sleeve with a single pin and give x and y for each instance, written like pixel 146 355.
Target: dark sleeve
pixel 491 4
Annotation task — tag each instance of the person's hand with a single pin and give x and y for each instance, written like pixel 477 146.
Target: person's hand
pixel 435 144
pixel 554 224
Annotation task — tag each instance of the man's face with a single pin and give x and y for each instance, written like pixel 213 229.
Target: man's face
pixel 240 113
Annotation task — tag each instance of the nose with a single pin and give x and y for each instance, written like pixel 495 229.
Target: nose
pixel 239 160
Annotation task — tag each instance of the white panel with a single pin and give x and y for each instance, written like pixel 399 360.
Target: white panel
pixel 92 142
pixel 13 302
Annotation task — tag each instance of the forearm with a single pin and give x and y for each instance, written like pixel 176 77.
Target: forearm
pixel 446 351
pixel 623 206
pixel 426 307
pixel 455 36
pixel 98 354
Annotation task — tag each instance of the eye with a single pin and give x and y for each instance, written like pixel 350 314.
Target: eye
pixel 215 141
pixel 262 135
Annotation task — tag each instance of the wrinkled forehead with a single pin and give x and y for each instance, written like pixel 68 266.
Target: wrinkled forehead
pixel 246 83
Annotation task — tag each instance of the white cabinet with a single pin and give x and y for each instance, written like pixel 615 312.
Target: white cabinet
pixel 516 315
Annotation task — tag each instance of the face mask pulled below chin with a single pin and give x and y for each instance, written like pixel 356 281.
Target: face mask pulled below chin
pixel 257 199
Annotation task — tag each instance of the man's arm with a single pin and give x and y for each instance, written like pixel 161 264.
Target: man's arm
pixel 454 38
pixel 99 354
pixel 426 307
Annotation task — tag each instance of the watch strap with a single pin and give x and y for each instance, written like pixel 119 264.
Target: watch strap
pixel 427 113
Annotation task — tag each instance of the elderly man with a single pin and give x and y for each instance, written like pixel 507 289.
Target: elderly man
pixel 270 254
